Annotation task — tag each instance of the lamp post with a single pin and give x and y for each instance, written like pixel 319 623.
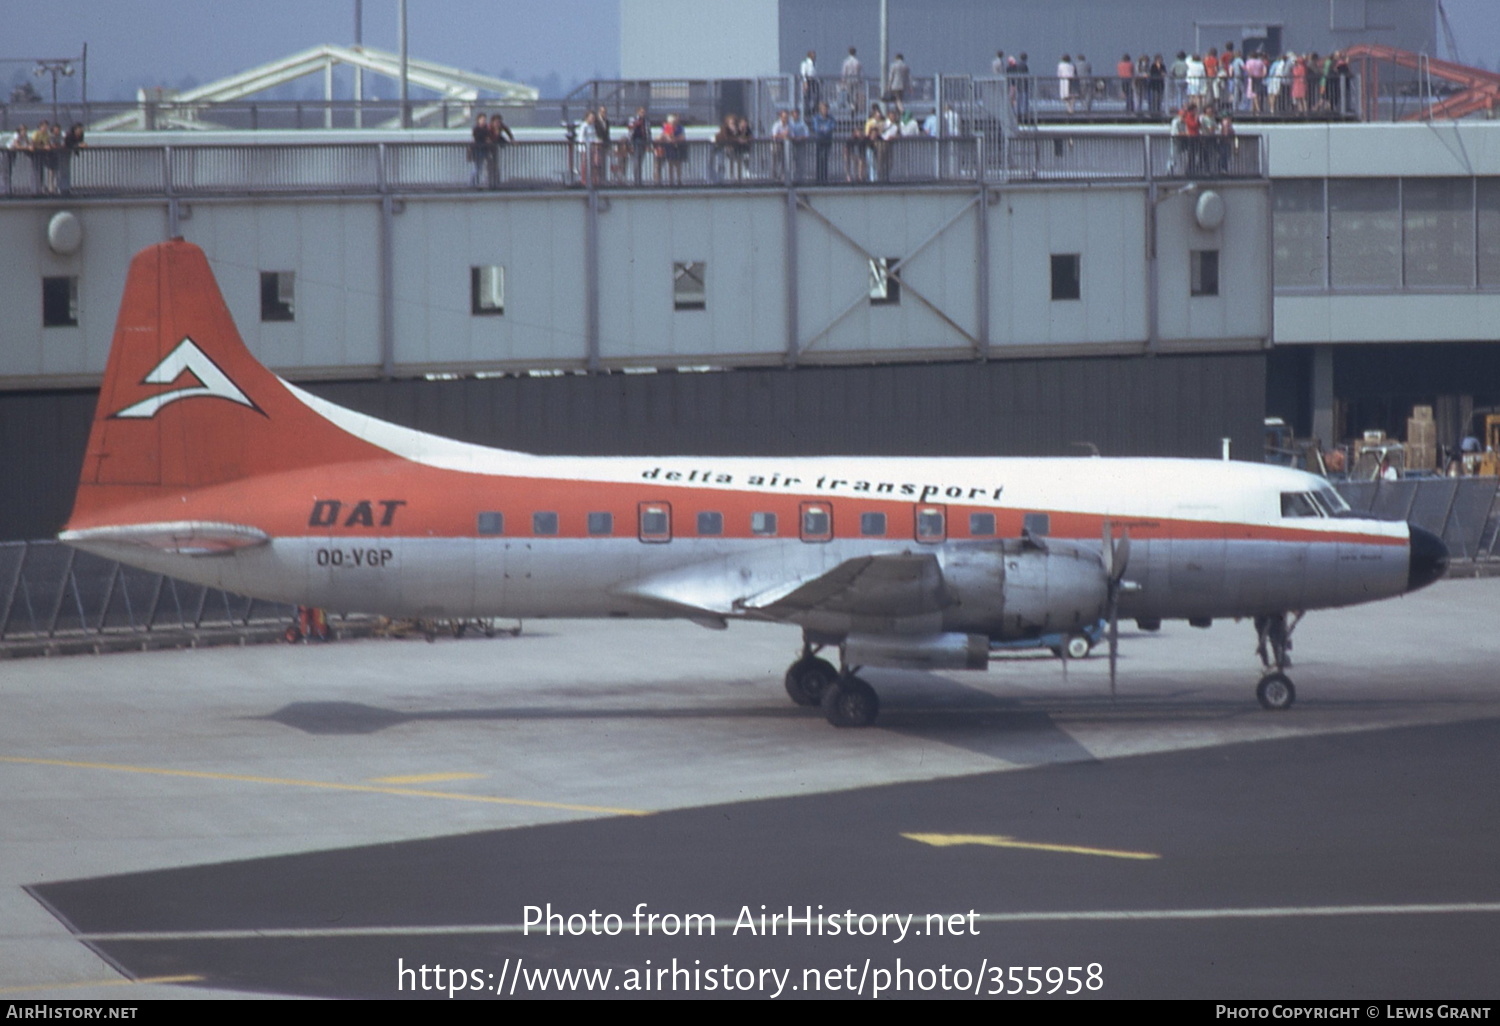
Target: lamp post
pixel 53 68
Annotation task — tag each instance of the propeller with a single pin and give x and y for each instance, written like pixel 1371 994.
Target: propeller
pixel 1116 558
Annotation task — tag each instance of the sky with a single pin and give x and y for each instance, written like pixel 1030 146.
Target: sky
pixel 162 42
pixel 168 42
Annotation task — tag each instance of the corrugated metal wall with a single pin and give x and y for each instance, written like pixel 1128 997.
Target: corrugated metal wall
pixel 1127 406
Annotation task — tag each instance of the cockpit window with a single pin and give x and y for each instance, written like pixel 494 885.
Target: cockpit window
pixel 1333 502
pixel 1299 504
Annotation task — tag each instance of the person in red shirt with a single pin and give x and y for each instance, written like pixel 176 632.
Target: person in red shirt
pixel 1126 71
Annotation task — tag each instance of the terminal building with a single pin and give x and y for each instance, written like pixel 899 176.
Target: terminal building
pixel 1003 288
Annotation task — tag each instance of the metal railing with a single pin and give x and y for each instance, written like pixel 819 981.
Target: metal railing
pixel 340 168
pixel 1031 99
pixel 49 590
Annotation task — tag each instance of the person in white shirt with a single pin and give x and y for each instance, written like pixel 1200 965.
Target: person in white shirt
pixel 808 73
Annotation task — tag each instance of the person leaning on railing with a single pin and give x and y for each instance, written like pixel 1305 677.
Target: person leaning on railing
pixel 500 137
pixel 638 131
pixel 17 144
pixel 71 144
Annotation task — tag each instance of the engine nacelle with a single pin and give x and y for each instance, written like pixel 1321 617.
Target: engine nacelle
pixel 1020 590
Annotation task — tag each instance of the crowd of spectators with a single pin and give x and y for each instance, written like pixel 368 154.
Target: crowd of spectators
pixel 51 153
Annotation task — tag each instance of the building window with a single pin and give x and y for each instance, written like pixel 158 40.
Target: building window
pixel 885 283
pixel 1065 276
pixel 1364 225
pixel 278 293
pixel 710 523
pixel 1300 233
pixel 872 525
pixel 544 523
pixel 982 525
pixel 601 523
pixel 763 523
pixel 1489 232
pixel 60 302
pixel 1438 232
pixel 688 290
pixel 486 290
pixel 1205 272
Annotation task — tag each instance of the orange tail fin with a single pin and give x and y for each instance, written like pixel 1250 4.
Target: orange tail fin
pixel 184 404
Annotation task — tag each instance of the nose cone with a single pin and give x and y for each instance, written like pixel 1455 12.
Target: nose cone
pixel 1429 559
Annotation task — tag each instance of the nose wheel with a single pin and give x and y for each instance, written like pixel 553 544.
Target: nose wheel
pixel 1275 691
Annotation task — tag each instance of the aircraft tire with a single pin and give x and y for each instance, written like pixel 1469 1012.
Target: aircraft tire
pixel 851 703
pixel 807 680
pixel 1079 646
pixel 1275 692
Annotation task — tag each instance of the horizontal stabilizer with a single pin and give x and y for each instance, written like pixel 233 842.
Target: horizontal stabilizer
pixel 182 537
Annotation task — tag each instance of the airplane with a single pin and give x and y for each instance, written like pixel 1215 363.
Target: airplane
pixel 204 465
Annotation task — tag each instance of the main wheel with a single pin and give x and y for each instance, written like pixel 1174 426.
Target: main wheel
pixel 1275 691
pixel 851 703
pixel 807 679
pixel 1079 646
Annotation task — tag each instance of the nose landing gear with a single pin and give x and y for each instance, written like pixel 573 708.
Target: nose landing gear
pixel 1275 690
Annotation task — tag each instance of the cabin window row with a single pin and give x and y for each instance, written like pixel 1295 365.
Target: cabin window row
pixel 815 522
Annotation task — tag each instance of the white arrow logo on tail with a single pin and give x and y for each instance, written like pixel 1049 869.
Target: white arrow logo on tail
pixel 186 357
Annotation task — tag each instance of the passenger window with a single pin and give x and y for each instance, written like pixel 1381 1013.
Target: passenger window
pixel 981 525
pixel 932 524
pixel 601 523
pixel 544 523
pixel 710 523
pixel 763 523
pixel 872 525
pixel 1038 525
pixel 491 523
pixel 817 521
pixel 656 522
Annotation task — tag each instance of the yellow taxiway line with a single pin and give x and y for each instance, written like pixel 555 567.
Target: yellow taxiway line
pixel 327 785
pixel 997 841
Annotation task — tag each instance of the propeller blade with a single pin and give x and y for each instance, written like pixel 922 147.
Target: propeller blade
pixel 1116 558
pixel 1114 637
pixel 1122 556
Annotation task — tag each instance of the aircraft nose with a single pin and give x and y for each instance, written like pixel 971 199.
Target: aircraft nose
pixel 1429 559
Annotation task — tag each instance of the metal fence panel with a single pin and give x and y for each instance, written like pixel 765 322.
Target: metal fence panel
pixel 351 168
pixel 1469 518
pixel 48 590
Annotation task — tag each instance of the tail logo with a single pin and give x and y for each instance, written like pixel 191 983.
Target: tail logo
pixel 187 358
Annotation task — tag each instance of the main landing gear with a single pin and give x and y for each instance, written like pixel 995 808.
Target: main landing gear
pixel 847 700
pixel 1275 690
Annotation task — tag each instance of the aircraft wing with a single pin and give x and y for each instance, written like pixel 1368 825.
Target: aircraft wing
pixel 894 585
pixel 181 537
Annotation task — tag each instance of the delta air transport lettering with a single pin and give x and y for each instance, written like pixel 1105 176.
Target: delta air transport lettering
pixel 187 358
